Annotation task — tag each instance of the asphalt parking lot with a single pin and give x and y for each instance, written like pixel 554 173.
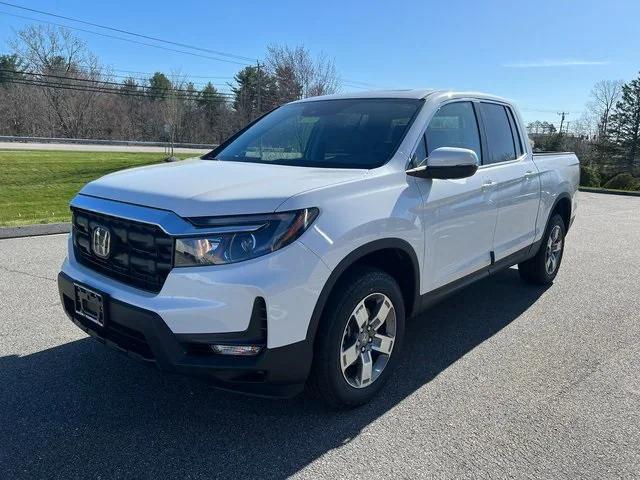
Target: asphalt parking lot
pixel 501 380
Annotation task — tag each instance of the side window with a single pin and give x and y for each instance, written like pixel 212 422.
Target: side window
pixel 454 125
pixel 514 131
pixel 420 154
pixel 500 144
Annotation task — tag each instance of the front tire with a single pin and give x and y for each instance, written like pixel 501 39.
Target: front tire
pixel 543 267
pixel 359 338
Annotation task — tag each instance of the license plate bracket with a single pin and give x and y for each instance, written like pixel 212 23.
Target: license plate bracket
pixel 90 304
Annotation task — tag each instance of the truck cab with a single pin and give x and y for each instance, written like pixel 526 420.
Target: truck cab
pixel 293 253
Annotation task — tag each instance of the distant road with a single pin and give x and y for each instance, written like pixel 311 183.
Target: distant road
pixel 95 148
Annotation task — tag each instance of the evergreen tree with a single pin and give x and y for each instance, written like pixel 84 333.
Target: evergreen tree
pixel 210 102
pixel 627 121
pixel 9 65
pixel 255 92
pixel 213 107
pixel 129 85
pixel 159 86
pixel 209 98
pixel 288 86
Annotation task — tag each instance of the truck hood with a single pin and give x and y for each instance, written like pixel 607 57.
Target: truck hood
pixel 192 188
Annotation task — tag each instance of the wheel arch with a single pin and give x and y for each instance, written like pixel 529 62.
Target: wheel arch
pixel 561 206
pixel 392 255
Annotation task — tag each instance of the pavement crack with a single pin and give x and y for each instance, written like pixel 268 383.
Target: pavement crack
pixel 33 275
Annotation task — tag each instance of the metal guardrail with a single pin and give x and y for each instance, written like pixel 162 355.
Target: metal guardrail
pixel 93 141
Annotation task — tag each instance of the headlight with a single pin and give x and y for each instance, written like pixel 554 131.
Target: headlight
pixel 234 239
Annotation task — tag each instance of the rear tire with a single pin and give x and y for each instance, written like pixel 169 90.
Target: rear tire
pixel 543 267
pixel 359 338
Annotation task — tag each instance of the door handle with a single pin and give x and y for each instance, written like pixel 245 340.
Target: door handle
pixel 529 174
pixel 488 185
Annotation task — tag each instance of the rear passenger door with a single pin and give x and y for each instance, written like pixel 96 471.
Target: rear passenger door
pixel 511 168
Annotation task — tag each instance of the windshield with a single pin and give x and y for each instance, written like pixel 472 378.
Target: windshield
pixel 353 133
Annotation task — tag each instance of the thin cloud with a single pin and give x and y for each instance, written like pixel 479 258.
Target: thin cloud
pixel 556 63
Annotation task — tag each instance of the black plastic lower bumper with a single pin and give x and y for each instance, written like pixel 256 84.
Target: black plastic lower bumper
pixel 142 334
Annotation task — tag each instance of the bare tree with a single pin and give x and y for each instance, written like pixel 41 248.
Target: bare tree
pixel 52 85
pixel 298 74
pixel 69 73
pixel 175 106
pixel 604 96
pixel 44 47
pixel 586 125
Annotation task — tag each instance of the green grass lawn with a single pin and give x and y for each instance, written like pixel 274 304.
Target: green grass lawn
pixel 36 186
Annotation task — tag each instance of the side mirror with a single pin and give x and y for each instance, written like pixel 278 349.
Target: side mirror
pixel 447 162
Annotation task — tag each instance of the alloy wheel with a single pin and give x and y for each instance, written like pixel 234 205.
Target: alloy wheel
pixel 554 250
pixel 368 340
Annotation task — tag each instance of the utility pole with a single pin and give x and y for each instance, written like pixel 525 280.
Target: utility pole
pixel 259 88
pixel 562 114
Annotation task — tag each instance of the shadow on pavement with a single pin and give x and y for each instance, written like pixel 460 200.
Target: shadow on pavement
pixel 81 410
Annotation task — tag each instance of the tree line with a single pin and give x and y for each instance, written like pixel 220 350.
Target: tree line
pixel 52 85
pixel 606 137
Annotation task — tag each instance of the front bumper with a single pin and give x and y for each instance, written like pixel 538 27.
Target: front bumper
pixel 142 334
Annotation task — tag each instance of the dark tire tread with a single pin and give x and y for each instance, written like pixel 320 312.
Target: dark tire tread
pixel 349 289
pixel 533 270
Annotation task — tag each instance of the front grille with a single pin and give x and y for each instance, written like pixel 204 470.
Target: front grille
pixel 140 255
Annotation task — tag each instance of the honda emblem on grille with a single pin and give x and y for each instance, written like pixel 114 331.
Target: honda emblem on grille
pixel 101 242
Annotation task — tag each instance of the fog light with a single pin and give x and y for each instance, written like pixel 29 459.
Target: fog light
pixel 237 349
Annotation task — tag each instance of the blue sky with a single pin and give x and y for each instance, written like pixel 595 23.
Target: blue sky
pixel 546 55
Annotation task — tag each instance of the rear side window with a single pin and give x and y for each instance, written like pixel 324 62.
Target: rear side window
pixel 454 125
pixel 514 131
pixel 500 142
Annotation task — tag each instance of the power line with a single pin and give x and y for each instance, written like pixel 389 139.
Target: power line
pixel 127 32
pixel 346 82
pixel 106 90
pixel 358 84
pixel 186 80
pixel 94 86
pixel 124 39
pixel 108 87
pixel 185 77
pixel 355 86
pixel 190 76
pixel 102 82
pixel 537 110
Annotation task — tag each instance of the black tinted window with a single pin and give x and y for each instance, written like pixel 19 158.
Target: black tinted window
pixel 353 133
pixel 500 144
pixel 454 125
pixel 514 130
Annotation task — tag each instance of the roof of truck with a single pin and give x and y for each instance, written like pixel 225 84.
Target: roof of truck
pixel 416 93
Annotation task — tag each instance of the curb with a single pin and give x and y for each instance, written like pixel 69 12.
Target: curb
pixel 34 230
pixel 610 192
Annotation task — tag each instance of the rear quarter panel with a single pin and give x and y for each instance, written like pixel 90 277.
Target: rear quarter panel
pixel 559 175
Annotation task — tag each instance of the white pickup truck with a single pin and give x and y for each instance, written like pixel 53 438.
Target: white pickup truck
pixel 293 253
